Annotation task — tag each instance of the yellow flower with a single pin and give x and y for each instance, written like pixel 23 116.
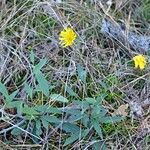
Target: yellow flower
pixel 139 61
pixel 67 37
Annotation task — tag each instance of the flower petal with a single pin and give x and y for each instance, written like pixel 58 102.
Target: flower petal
pixel 67 37
pixel 139 61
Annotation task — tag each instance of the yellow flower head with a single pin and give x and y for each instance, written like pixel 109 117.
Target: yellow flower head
pixel 67 37
pixel 139 61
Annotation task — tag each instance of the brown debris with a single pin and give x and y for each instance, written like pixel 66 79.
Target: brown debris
pixel 143 131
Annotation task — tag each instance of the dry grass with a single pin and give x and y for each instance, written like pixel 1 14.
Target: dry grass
pixel 29 25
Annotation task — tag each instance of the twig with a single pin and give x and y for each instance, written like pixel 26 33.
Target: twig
pixel 33 146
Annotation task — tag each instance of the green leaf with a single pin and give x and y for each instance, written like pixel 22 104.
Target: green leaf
pixel 84 105
pixel 70 91
pixel 85 132
pixel 4 91
pixel 75 116
pixel 76 136
pixel 102 112
pixel 39 66
pixel 90 100
pixel 28 90
pixel 99 146
pixel 16 131
pixel 13 95
pixel 45 123
pixel 70 127
pixel 43 83
pixel 97 128
pixel 32 56
pixel 85 120
pixel 71 139
pixel 51 119
pixel 81 73
pixel 112 119
pixel 38 129
pixel 96 110
pixel 59 98
pixel 14 104
pixel 100 98
pixel 30 111
pixel 72 111
pixel 47 109
pixel 104 85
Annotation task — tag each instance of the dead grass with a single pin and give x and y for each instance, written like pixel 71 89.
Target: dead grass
pixel 34 25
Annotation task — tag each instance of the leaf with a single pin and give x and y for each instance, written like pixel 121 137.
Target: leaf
pixel 43 83
pixel 100 98
pixel 16 131
pixel 30 111
pixel 14 104
pixel 70 127
pixel 75 116
pixel 32 56
pixel 38 67
pixel 71 139
pixel 45 123
pixel 51 119
pixel 59 98
pixel 85 132
pixel 104 85
pixel 4 91
pixel 72 111
pixel 28 90
pixel 85 120
pixel 47 109
pixel 70 91
pixel 90 100
pixel 73 129
pixel 97 128
pixel 38 129
pixel 13 95
pixel 98 111
pixel 112 119
pixel 81 73
pixel 82 104
pixel 121 110
pixel 103 111
pixel 76 136
pixel 99 146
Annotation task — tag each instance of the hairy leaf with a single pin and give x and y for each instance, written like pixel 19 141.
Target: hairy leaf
pixel 39 66
pixel 71 139
pixel 81 73
pixel 43 83
pixel 28 89
pixel 112 119
pixel 70 91
pixel 4 91
pixel 97 128
pixel 59 98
